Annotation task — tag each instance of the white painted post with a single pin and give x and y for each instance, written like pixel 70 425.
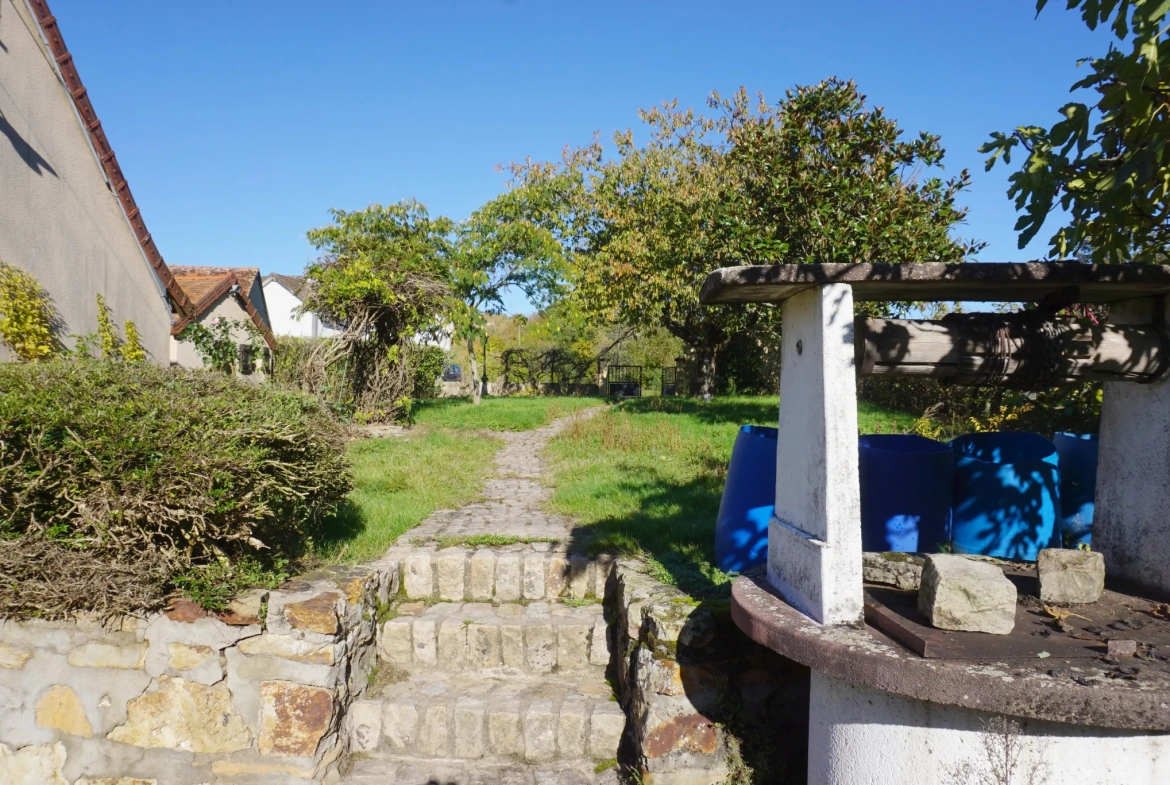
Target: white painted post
pixel 1133 471
pixel 814 540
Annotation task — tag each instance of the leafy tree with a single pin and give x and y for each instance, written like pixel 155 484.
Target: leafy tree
pixel 382 277
pixel 818 177
pixel 501 246
pixel 1107 165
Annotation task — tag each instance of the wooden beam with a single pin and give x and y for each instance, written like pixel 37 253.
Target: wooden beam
pixel 1011 350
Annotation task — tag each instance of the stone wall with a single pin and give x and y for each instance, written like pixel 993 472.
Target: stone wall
pixel 257 692
pixel 704 703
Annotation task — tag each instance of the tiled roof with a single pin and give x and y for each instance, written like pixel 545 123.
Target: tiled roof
pixel 294 283
pixel 205 285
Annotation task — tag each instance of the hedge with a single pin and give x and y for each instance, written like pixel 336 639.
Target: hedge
pixel 121 481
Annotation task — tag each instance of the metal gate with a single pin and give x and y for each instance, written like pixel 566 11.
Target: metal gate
pixel 623 381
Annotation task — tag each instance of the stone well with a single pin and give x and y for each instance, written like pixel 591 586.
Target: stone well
pixel 878 711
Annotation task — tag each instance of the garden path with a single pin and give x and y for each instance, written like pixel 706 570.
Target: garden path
pixel 493 657
pixel 512 500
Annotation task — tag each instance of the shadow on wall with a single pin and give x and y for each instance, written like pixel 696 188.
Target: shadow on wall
pixel 35 160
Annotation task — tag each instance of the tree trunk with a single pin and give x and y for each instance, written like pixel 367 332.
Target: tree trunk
pixel 474 371
pixel 705 369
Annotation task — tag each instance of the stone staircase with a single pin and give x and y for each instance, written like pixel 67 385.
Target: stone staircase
pixel 492 659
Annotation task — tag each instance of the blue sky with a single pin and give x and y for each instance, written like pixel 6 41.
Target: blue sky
pixel 239 124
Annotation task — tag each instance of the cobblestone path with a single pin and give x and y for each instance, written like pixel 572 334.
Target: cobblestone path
pixel 512 499
pixel 493 657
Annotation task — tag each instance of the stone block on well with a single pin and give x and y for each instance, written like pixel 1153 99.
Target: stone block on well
pixel 1069 576
pixel 903 570
pixel 960 594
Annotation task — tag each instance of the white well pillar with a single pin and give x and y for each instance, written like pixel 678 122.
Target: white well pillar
pixel 1130 524
pixel 814 540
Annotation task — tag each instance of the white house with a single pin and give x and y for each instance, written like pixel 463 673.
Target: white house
pixel 284 294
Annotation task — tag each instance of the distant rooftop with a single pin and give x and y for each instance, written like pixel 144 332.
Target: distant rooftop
pixel 294 283
pixel 975 281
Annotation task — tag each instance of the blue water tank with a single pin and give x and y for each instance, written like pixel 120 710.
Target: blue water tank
pixel 1078 484
pixel 749 499
pixel 1006 495
pixel 905 483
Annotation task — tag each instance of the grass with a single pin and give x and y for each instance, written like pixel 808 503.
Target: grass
pixel 397 483
pixel 647 476
pixel 497 414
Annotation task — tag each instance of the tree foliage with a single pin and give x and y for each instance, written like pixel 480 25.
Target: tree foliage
pixel 382 277
pixel 818 177
pixel 503 245
pixel 1107 165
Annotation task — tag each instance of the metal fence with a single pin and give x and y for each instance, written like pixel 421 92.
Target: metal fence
pixel 623 381
pixel 671 381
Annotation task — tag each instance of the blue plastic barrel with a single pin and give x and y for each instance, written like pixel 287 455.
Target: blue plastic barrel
pixel 906 485
pixel 749 499
pixel 1078 483
pixel 1007 494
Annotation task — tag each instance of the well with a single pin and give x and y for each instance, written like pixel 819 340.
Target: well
pixel 880 711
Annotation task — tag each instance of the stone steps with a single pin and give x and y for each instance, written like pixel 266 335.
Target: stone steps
pixel 508 573
pixel 539 637
pixel 569 719
pixel 415 771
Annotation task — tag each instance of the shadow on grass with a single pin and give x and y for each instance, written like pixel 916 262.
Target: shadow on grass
pixel 332 532
pixel 674 525
pixel 718 411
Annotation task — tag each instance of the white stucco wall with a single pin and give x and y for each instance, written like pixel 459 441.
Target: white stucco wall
pixel 860 736
pixel 59 219
pixel 183 352
pixel 281 307
pixel 814 540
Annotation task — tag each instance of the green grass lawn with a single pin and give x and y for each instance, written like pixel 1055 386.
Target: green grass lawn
pixel 497 414
pixel 399 482
pixel 647 476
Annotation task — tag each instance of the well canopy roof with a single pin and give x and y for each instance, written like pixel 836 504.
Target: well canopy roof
pixel 972 281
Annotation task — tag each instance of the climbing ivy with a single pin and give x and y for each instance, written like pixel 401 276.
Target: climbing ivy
pixel 26 315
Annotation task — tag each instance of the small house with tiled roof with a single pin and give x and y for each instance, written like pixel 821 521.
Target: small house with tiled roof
pixel 285 295
pixel 233 293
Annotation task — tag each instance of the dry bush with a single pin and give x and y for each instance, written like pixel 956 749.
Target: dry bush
pixel 150 472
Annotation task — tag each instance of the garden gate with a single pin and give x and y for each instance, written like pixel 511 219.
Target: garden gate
pixel 624 381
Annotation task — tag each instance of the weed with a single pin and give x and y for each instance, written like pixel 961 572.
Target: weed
pixel 486 540
pixel 213 586
pixel 604 765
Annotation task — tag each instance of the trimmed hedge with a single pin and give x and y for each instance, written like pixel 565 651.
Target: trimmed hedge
pixel 119 481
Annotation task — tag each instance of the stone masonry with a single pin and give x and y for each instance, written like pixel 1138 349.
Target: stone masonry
pixel 254 694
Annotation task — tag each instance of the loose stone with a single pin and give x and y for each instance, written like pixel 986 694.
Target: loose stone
pixel 961 594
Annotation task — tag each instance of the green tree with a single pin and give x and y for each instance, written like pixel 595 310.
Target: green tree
pixel 819 177
pixel 382 277
pixel 502 246
pixel 1106 165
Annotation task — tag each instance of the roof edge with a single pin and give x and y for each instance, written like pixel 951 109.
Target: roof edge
pixel 105 153
pixel 224 287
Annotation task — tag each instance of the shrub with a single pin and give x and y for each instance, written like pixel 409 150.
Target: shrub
pixel 26 315
pixel 118 479
pixel 426 365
